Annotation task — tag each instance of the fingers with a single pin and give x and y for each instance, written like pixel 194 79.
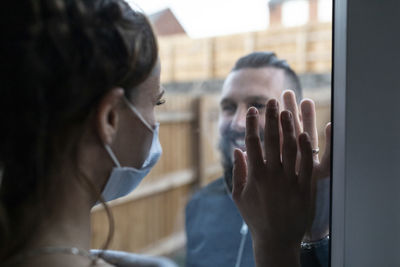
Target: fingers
pixel 308 114
pixel 289 151
pixel 252 139
pixel 306 164
pixel 325 165
pixel 239 173
pixel 289 103
pixel 271 140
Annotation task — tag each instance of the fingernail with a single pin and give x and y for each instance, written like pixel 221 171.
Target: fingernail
pixel 236 153
pixel 252 111
pixel 286 115
pixel 272 103
pixel 288 93
pixel 304 137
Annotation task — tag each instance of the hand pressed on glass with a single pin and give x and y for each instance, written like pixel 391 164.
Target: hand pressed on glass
pixel 305 120
pixel 304 117
pixel 274 199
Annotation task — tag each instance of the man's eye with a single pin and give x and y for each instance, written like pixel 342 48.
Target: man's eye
pixel 228 108
pixel 160 102
pixel 258 106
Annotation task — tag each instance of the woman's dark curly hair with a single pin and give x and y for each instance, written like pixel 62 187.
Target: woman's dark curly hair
pixel 57 59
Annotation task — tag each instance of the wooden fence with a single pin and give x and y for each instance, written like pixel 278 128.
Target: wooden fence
pixel 307 48
pixel 151 219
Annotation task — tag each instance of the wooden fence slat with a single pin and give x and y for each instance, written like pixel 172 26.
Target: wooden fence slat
pixel 201 59
pixel 169 181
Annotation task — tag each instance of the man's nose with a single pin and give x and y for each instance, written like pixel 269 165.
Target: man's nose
pixel 239 120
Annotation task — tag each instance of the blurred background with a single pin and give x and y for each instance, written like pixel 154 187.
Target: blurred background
pixel 199 42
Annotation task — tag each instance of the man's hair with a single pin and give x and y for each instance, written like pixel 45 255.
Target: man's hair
pixel 269 59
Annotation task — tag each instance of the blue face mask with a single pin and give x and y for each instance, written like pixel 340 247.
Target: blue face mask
pixel 124 180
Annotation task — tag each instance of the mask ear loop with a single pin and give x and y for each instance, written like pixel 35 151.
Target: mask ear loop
pixel 112 155
pixel 137 113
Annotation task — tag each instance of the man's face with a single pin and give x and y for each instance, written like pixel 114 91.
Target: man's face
pixel 245 88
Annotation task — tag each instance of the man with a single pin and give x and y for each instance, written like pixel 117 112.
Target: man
pixel 216 233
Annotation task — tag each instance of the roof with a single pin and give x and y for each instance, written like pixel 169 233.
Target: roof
pixel 155 16
pixel 166 23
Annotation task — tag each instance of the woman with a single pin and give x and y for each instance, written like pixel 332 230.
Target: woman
pixel 77 109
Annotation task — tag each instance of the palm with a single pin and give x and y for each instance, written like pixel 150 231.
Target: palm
pixel 274 199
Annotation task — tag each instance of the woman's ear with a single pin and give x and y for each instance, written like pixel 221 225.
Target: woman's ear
pixel 107 115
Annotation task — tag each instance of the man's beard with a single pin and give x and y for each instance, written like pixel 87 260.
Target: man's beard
pixel 226 147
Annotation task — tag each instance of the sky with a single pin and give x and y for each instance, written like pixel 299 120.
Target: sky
pixel 204 18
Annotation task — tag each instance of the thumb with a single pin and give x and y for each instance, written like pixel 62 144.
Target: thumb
pixel 239 176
